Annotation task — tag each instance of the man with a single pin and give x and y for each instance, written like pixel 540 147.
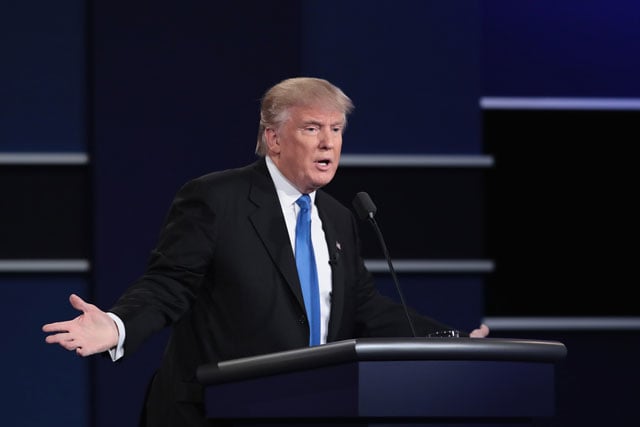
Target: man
pixel 224 274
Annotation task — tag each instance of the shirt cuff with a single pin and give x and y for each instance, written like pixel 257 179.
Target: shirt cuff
pixel 118 351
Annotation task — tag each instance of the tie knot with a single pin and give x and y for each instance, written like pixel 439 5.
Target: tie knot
pixel 304 202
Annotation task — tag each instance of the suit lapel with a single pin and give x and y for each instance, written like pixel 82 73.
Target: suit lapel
pixel 271 228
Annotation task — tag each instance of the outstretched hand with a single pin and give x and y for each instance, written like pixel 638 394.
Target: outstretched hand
pixel 91 332
pixel 480 332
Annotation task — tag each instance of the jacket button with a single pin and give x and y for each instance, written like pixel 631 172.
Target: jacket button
pixel 302 319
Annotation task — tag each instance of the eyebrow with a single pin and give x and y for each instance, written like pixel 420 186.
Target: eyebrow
pixel 317 123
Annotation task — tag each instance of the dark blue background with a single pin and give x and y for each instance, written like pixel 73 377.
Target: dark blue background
pixel 159 92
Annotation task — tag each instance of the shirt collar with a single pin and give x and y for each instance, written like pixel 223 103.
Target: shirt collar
pixel 287 193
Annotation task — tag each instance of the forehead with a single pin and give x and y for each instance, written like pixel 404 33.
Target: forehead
pixel 316 114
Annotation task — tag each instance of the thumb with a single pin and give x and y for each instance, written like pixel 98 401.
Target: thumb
pixel 78 303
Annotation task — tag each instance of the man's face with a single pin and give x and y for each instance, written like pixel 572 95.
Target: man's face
pixel 306 147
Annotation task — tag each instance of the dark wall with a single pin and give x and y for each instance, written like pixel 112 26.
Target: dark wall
pixel 560 212
pixel 42 77
pixel 412 68
pixel 561 208
pixel 574 48
pixel 44 209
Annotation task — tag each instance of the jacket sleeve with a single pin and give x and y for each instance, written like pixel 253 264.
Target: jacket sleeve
pixel 175 269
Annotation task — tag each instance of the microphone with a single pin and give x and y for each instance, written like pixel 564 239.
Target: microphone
pixel 366 210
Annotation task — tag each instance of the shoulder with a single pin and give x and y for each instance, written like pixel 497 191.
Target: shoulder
pixel 233 175
pixel 228 181
pixel 332 209
pixel 326 201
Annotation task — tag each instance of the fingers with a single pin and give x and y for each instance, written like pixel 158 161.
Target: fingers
pixel 58 338
pixel 65 326
pixel 64 340
pixel 484 329
pixel 76 347
pixel 68 342
pixel 82 352
pixel 481 332
pixel 72 334
pixel 70 345
pixel 78 303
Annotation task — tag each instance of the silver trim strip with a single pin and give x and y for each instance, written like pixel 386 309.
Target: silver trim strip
pixel 44 266
pixel 416 160
pixel 562 323
pixel 430 266
pixel 551 103
pixel 44 158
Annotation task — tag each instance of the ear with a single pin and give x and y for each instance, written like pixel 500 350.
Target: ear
pixel 272 140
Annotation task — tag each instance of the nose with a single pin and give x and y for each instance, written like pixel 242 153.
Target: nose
pixel 328 138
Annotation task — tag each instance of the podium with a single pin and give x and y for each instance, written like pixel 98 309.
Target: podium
pixel 388 382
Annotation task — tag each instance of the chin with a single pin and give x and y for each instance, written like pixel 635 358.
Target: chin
pixel 322 182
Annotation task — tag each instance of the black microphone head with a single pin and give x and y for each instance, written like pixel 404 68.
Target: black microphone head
pixel 364 206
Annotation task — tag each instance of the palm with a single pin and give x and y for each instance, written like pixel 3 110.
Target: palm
pixel 91 332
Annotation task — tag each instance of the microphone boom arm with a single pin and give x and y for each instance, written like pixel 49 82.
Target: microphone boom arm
pixel 393 272
pixel 366 209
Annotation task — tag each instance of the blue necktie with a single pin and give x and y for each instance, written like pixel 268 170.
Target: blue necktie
pixel 306 263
